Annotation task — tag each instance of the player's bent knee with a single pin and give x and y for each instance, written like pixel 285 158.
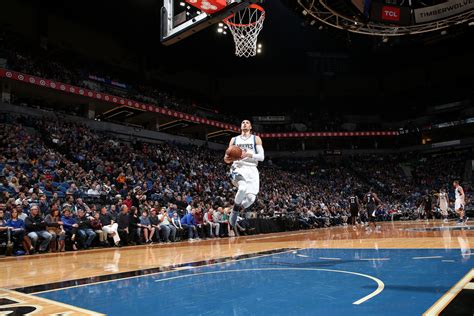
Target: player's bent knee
pixel 249 199
pixel 241 193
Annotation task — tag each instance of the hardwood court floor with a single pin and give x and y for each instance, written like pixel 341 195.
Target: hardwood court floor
pixel 49 268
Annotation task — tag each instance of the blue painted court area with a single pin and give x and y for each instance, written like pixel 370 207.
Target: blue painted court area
pixel 304 282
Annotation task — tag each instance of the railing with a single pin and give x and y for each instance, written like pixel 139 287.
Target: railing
pixel 124 102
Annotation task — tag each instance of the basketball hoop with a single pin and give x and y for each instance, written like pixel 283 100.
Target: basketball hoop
pixel 245 26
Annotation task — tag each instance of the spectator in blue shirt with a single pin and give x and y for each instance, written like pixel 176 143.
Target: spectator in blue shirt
pixel 70 226
pixel 187 222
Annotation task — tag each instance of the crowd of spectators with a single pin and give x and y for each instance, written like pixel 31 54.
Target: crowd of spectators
pixel 65 186
pixel 401 181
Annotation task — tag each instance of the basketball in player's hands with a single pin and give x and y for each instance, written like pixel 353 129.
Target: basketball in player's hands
pixel 234 152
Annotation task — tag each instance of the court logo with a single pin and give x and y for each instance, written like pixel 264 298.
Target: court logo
pixel 11 306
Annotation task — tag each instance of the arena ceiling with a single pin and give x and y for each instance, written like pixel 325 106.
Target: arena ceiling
pixel 301 61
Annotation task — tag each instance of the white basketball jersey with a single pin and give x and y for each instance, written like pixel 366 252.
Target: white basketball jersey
pixel 443 198
pixel 247 144
pixel 458 194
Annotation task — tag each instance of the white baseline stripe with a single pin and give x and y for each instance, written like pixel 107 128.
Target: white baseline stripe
pixel 375 259
pixel 380 284
pixel 447 260
pixel 325 258
pixel 469 286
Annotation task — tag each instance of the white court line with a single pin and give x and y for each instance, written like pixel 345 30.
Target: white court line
pixel 380 284
pixel 279 236
pixel 469 286
pixel 447 260
pixel 303 256
pixel 375 259
pixel 325 258
pixel 432 257
pixel 178 269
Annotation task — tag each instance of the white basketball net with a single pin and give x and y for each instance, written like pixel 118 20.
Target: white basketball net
pixel 245 26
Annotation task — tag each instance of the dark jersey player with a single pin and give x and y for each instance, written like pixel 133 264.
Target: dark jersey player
pixel 354 206
pixel 371 202
pixel 428 205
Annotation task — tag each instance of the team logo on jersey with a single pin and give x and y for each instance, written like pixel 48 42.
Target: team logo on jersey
pixel 246 146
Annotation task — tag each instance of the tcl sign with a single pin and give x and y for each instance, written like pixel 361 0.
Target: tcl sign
pixel 390 13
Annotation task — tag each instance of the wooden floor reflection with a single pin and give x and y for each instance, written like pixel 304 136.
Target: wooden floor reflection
pixel 49 268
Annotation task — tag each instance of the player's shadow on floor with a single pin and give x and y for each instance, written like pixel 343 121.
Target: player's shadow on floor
pixel 313 264
pixel 412 288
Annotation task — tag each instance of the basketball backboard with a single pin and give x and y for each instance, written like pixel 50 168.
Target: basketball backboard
pixel 182 18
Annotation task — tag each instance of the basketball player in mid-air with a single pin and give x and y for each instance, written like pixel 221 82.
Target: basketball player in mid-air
pixel 459 203
pixel 244 172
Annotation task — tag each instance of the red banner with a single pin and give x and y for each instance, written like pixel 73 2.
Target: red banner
pixel 119 101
